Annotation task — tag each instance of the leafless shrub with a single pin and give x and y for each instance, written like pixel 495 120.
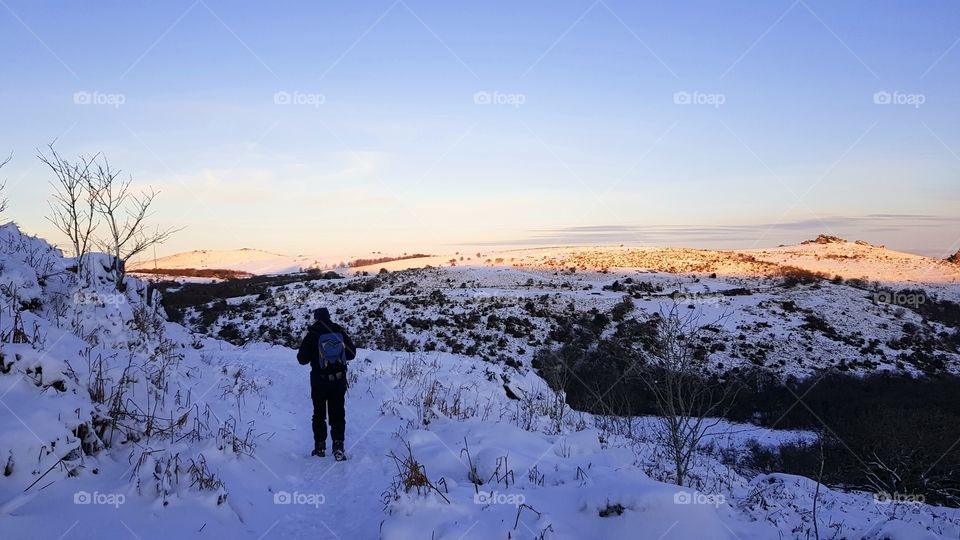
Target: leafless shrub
pixel 17 333
pixel 627 424
pixel 230 439
pixel 4 201
pixel 535 477
pixel 72 210
pixel 124 213
pixel 537 403
pixel 96 379
pixel 37 255
pixel 687 407
pixel 425 410
pixel 526 506
pixel 503 473
pixel 59 307
pixel 793 276
pixel 472 473
pixel 238 386
pixel 200 425
pixel 166 474
pixel 411 476
pixel 204 479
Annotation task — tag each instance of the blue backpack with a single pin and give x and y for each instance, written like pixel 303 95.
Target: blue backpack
pixel 332 349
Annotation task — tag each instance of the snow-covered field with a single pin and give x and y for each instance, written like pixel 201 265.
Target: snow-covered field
pixel 509 313
pixel 117 423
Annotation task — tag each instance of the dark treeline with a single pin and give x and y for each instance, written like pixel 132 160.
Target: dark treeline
pixel 215 273
pixel 356 263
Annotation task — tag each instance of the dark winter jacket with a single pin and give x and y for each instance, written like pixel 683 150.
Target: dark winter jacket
pixel 310 348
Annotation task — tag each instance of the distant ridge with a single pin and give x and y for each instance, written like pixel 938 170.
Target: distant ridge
pixel 246 260
pixel 828 255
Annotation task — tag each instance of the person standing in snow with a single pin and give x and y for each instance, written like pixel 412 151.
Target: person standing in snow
pixel 327 348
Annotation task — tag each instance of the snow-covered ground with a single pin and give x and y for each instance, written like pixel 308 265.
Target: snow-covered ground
pixel 509 313
pixel 116 423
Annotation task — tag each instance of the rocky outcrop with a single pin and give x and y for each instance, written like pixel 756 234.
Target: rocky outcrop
pixel 825 239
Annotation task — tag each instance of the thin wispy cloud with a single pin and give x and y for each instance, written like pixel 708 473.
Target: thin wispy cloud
pixel 737 236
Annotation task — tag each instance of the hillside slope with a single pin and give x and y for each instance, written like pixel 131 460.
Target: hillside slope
pixel 252 261
pixel 831 256
pixel 794 324
pixel 849 260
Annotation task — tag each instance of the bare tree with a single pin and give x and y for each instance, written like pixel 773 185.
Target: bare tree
pixel 3 187
pixel 124 213
pixel 688 404
pixel 72 208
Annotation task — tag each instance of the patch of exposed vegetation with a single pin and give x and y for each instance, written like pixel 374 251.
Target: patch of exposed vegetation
pixel 214 273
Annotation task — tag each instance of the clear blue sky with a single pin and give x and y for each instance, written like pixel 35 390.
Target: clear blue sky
pixel 731 124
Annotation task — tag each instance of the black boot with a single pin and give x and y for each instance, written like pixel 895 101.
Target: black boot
pixel 338 453
pixel 319 451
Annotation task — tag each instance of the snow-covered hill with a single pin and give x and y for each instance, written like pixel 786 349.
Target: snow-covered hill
pixel 793 325
pixel 117 423
pixel 849 260
pixel 252 261
pixel 829 255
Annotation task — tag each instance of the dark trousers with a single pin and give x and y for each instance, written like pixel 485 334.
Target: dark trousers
pixel 328 398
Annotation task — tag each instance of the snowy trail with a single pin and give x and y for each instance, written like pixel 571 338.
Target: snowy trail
pixel 348 490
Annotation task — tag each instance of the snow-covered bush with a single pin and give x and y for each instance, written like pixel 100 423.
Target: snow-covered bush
pixel 94 372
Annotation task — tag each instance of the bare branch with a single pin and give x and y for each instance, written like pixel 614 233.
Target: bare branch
pixel 688 404
pixel 124 213
pixel 4 202
pixel 72 208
